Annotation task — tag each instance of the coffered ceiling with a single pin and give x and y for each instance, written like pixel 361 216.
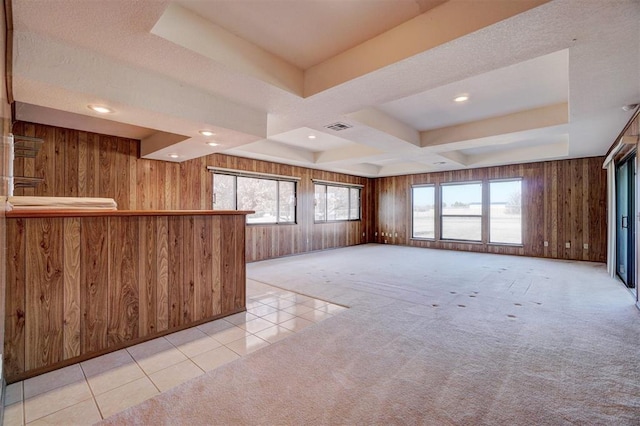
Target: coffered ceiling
pixel 364 87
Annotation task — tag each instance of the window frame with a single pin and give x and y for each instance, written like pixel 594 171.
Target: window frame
pixel 481 216
pixel 262 176
pixel 435 212
pixel 328 184
pixel 496 243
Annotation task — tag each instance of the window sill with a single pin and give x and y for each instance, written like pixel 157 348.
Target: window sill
pixel 272 224
pixel 336 221
pixel 505 245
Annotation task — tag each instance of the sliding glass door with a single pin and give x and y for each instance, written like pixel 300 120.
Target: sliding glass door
pixel 625 223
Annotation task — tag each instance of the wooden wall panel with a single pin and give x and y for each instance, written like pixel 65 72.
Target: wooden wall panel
pixel 71 279
pixel 124 286
pixel 83 286
pixel 147 274
pixel 563 202
pixel 176 260
pixel 87 164
pixel 44 293
pixel 94 258
pixel 14 358
pixel 162 273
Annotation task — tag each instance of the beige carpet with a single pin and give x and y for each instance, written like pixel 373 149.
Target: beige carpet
pixel 432 337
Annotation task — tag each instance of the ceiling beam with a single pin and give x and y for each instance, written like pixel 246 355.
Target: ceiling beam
pixel 544 117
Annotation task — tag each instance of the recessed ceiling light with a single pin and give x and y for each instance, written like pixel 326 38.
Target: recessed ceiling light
pixel 100 109
pixel 461 98
pixel 439 163
pixel 311 136
pixel 212 144
pixel 174 156
pixel 206 133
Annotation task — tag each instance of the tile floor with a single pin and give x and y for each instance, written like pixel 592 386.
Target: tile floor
pixel 87 392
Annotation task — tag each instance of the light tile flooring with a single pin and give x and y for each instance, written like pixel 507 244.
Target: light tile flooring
pixel 95 389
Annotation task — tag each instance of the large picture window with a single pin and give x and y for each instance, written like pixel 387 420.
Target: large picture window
pixel 273 199
pixel 336 202
pixel 424 213
pixel 461 211
pixel 505 213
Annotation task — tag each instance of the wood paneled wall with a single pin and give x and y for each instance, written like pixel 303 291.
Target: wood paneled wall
pixel 562 201
pixel 77 163
pixel 81 286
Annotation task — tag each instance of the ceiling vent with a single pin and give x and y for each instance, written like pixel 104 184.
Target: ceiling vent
pixel 338 126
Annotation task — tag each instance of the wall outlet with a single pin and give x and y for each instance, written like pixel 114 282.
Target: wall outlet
pixel 363 234
pixel 385 241
pixel 396 234
pixel 585 246
pixel 376 234
pixel 546 243
pixel 567 245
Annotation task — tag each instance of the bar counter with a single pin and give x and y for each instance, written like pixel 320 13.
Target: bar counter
pixel 84 283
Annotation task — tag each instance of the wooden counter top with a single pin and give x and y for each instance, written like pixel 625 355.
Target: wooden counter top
pixel 123 213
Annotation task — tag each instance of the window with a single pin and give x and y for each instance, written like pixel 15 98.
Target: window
pixel 336 202
pixel 424 217
pixel 505 213
pixel 272 198
pixel 461 211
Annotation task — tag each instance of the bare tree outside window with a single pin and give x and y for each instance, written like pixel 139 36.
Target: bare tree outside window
pixel 224 192
pixel 334 203
pixel 274 201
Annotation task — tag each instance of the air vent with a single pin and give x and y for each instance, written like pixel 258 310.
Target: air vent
pixel 338 126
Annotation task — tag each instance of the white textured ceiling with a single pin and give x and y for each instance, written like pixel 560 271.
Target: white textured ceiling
pixel 546 80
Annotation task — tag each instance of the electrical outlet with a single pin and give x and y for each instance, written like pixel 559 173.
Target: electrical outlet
pixel 585 246
pixel 376 234
pixel 546 243
pixel 363 234
pixel 385 241
pixel 567 245
pixel 383 234
pixel 396 234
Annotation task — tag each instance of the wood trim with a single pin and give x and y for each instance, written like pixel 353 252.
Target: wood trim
pixel 8 50
pixel 85 357
pixel 122 213
pixel 624 130
pixel 332 183
pixel 95 165
pixel 244 173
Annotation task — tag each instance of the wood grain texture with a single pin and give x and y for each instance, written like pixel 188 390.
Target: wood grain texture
pixel 96 284
pixel 95 165
pixel 563 202
pixel 71 278
pixel 162 273
pixel 14 343
pixel 147 274
pixel 44 293
pixel 94 273
pixel 123 283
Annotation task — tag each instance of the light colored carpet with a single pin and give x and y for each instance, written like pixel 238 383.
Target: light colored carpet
pixel 432 337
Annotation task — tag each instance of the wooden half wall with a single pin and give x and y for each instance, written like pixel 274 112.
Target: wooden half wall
pixel 76 163
pixel 562 202
pixel 84 284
